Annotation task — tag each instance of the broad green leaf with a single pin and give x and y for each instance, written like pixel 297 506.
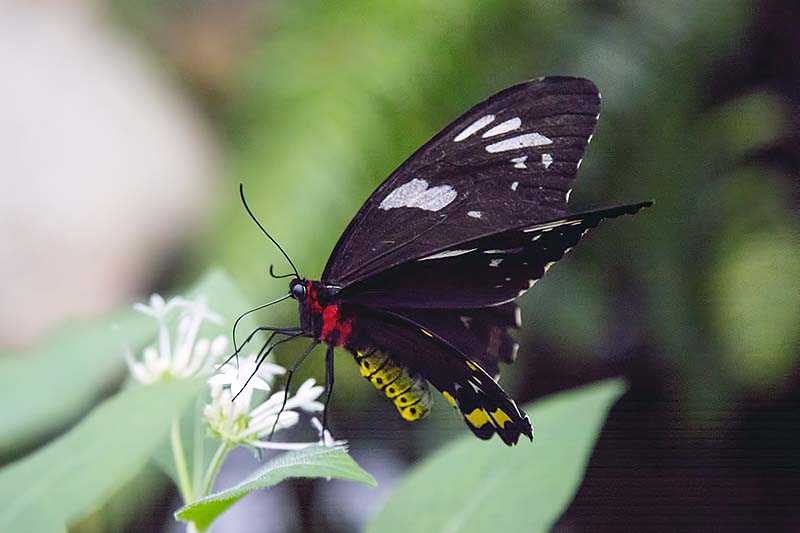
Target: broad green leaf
pixel 62 377
pixel 472 485
pixel 77 472
pixel 316 461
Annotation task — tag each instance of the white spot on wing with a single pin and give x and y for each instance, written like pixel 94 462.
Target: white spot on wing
pixel 495 262
pixel 447 253
pixel 465 320
pixel 504 127
pixel 474 214
pixel 517 317
pixel 520 141
pixel 507 251
pixel 416 193
pixel 474 127
pixel 514 186
pixel 548 226
pixel 519 162
pixel 547 160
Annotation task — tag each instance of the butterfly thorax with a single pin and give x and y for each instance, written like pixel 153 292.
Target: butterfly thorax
pixel 321 314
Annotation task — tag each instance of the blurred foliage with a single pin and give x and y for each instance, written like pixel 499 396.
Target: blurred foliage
pixel 62 366
pixel 72 476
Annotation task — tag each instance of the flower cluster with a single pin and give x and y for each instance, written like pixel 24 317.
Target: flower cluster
pixel 232 419
pixel 231 414
pixel 183 355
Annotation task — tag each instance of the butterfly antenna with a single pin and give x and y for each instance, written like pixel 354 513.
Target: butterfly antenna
pixel 276 276
pixel 249 212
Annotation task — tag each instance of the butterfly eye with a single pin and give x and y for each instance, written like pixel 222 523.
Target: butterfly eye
pixel 298 291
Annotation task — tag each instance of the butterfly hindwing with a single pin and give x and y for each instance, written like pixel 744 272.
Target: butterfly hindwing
pixel 485 334
pixel 486 408
pixel 508 162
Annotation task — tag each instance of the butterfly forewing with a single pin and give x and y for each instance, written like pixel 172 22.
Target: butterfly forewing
pixel 508 162
pixel 483 272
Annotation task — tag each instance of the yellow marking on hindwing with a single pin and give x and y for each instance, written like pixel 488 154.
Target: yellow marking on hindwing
pixel 471 365
pixel 449 398
pixel 426 332
pixel 501 417
pixel 478 418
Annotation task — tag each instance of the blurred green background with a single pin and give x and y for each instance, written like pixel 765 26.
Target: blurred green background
pixel 129 125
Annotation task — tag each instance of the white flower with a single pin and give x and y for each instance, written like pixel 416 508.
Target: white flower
pixel 325 437
pixel 247 373
pixel 177 354
pixel 233 421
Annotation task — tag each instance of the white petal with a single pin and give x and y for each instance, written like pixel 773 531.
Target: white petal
pixel 218 346
pixel 157 302
pixel 144 309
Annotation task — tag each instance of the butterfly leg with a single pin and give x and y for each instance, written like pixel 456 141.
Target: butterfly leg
pixel 274 330
pixel 328 388
pixel 289 374
pixel 265 350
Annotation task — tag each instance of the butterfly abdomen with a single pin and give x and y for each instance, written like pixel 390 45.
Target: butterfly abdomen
pixel 409 392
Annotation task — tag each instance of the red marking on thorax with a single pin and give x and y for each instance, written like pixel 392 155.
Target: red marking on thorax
pixel 313 296
pixel 336 329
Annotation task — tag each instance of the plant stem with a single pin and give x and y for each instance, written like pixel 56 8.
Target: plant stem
pixel 213 468
pixel 184 483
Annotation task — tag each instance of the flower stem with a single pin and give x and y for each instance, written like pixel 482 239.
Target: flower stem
pixel 213 468
pixel 184 483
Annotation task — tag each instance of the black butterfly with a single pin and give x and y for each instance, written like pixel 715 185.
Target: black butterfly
pixel 421 286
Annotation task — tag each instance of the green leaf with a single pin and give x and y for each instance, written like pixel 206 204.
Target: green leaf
pixel 77 472
pixel 316 461
pixel 63 376
pixel 472 485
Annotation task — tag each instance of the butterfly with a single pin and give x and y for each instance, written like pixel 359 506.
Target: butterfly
pixel 422 285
